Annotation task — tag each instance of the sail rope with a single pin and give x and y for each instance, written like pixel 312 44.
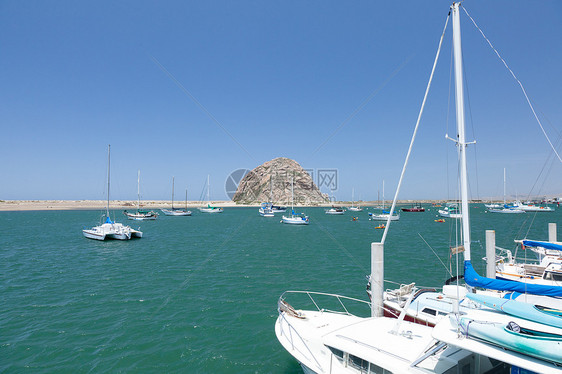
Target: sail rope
pixel 415 132
pixel 520 85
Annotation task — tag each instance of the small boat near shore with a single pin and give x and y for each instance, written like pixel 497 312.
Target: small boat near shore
pixel 176 211
pixel 140 215
pixel 209 208
pixel 335 211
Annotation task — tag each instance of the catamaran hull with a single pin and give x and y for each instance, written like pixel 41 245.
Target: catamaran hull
pixel 90 234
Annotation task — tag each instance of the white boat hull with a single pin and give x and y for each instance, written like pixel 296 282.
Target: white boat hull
pixel 506 211
pixel 211 210
pixel 295 220
pixel 176 212
pixel 384 217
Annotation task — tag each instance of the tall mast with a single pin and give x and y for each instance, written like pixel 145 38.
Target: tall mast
pixel 292 195
pixel 108 174
pixel 503 186
pixel 271 188
pixel 138 191
pixel 173 193
pixel 461 141
pixel 208 188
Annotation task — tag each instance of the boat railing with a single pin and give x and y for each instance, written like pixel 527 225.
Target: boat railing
pixel 325 302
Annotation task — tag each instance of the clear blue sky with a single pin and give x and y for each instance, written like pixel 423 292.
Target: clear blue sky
pixel 280 78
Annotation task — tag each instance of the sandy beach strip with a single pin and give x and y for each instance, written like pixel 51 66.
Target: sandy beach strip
pixel 28 205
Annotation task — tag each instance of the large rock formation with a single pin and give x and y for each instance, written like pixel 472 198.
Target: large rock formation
pixel 272 181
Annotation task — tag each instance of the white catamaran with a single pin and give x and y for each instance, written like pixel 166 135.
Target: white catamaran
pixel 110 229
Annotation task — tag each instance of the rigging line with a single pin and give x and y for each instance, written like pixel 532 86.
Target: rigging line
pixel 185 91
pixel 415 131
pixel 442 263
pixel 358 109
pixel 520 85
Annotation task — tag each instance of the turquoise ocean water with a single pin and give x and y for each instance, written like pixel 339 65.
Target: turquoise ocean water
pixel 199 294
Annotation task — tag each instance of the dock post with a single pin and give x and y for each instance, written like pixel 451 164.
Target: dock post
pixel 491 254
pixel 552 232
pixel 377 279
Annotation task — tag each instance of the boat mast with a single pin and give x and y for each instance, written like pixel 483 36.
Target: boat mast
pixel 173 193
pixel 271 189
pixel 138 191
pixel 504 187
pixel 108 174
pixel 208 188
pixel 461 141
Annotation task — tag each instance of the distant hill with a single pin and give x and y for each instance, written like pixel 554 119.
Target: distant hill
pixel 274 178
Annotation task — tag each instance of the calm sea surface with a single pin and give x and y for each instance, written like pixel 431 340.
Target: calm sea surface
pixel 199 294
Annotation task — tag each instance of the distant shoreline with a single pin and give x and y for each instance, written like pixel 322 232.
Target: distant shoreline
pixel 29 205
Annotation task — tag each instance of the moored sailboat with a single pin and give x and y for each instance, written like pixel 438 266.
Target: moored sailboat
pixel 140 215
pixel 110 229
pixel 177 211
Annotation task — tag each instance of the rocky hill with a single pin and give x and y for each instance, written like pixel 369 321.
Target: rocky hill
pixel 273 178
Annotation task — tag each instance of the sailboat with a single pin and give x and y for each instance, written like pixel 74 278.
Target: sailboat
pixel 507 209
pixel 266 209
pixel 209 208
pixel 140 215
pixel 354 208
pixel 385 215
pixel 176 211
pixel 294 219
pixel 331 339
pixel 110 229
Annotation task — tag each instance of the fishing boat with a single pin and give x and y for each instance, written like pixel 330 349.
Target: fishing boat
pixel 335 211
pixel 414 208
pixel 451 210
pixel 265 210
pixel 294 219
pixel 327 337
pixel 354 208
pixel 209 208
pixel 140 215
pixel 176 211
pixel 110 229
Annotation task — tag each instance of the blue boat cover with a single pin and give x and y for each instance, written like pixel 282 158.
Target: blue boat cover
pixel 108 220
pixel 547 245
pixel 472 278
